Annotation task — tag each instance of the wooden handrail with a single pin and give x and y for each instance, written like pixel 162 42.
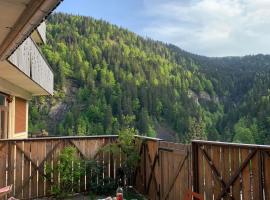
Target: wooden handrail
pixel 76 137
pixel 59 138
pixel 228 144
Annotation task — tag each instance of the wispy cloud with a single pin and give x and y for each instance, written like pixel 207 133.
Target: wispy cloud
pixel 211 27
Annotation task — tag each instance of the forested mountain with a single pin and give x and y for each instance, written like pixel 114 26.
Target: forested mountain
pixel 106 77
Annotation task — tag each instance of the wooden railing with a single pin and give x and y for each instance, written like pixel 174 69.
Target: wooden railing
pixel 165 171
pixel 28 59
pixel 23 162
pixel 231 171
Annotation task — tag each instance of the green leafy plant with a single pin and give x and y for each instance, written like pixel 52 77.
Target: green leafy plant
pixel 70 169
pixel 127 147
pixel 99 184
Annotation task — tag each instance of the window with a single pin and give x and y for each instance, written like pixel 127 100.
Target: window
pixel 3 116
pixel 20 115
pixel 2 100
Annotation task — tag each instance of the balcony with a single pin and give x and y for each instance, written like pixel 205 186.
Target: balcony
pixel 28 69
pixel 39 35
pixel 165 170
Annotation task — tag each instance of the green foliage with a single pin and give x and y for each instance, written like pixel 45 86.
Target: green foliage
pixel 243 134
pixel 99 184
pixel 151 132
pixel 196 130
pixel 127 147
pixel 70 168
pixel 103 72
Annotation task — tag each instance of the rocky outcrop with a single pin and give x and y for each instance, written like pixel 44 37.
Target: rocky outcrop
pixel 202 96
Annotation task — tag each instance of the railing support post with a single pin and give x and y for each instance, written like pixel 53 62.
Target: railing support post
pixel 144 166
pixel 261 173
pixel 195 167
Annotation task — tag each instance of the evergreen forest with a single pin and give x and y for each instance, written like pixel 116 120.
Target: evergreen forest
pixel 108 78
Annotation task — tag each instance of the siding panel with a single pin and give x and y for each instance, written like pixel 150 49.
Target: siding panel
pixel 28 59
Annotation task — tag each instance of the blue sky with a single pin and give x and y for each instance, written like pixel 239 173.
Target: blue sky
pixel 206 27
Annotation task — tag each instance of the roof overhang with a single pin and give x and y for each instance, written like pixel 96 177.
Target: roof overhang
pixel 18 19
pixel 18 79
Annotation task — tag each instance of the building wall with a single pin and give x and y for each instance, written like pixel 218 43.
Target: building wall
pixel 16 93
pixel 25 73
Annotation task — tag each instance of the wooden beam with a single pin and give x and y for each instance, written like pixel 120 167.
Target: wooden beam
pixel 212 166
pixel 195 167
pixel 153 166
pixel 261 174
pixel 230 144
pixel 77 148
pixel 138 164
pixel 236 174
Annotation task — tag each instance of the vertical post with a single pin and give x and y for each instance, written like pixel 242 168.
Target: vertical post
pixel 195 167
pixel 190 183
pixel 144 167
pixel 8 136
pixel 159 176
pixel 10 167
pixel 1 134
pixel 9 164
pixel 261 173
pixel 6 125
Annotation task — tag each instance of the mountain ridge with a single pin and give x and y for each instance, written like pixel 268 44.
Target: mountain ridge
pixel 121 77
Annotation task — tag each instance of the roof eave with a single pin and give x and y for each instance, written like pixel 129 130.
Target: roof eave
pixel 35 13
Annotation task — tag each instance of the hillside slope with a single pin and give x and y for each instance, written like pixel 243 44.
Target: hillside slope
pixel 107 77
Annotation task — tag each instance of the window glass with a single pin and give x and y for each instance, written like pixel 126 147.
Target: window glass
pixel 2 123
pixel 2 100
pixel 3 116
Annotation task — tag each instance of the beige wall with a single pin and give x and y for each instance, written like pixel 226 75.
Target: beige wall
pixel 13 90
